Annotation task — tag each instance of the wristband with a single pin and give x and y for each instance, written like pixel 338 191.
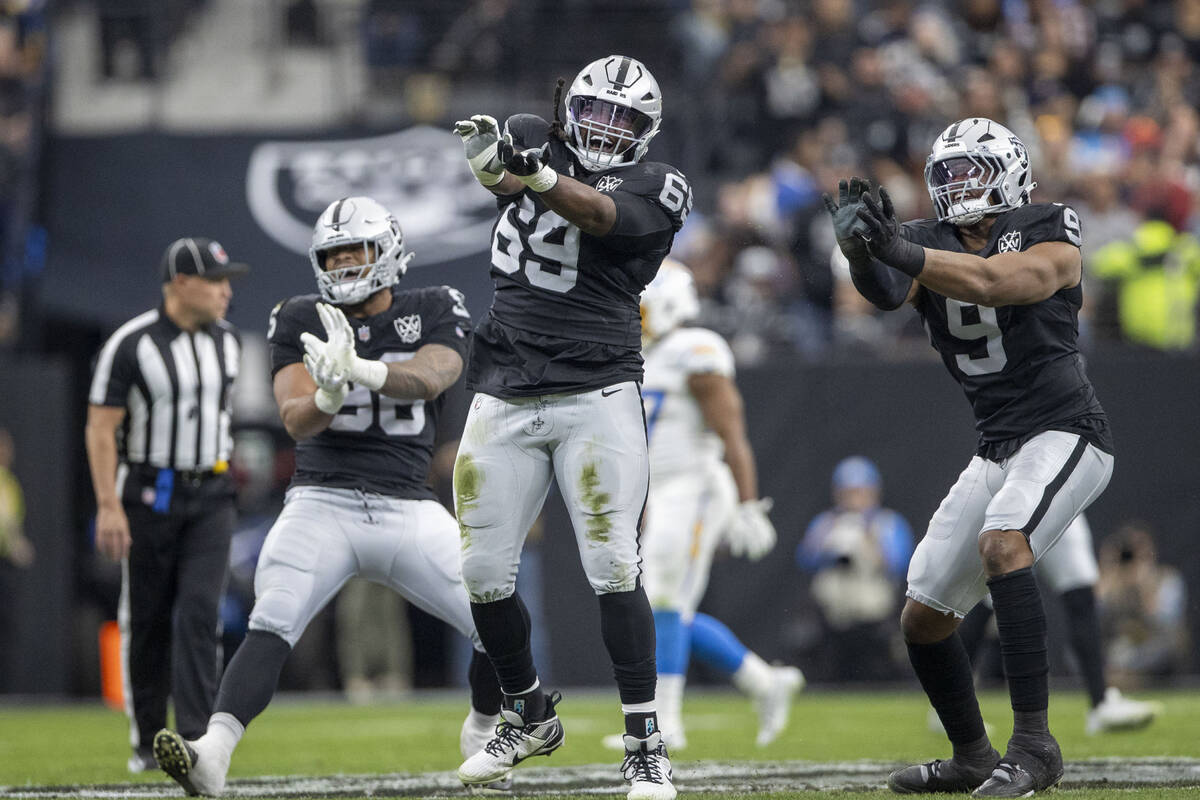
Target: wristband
pixel 904 256
pixel 329 402
pixel 371 374
pixel 489 179
pixel 543 180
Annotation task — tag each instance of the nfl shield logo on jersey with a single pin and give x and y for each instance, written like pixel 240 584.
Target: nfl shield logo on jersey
pixel 364 333
pixel 409 328
pixel 1009 242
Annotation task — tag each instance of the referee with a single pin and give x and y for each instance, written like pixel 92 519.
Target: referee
pixel 158 443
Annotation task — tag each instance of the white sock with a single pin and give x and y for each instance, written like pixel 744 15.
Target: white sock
pixel 224 732
pixel 479 720
pixel 753 677
pixel 669 697
pixel 639 708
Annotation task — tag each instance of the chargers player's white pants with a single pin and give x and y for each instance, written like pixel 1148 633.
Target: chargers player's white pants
pixel 686 515
pixel 325 536
pixel 1039 490
pixel 593 443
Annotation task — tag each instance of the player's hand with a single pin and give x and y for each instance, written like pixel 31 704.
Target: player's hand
pixel 847 227
pixel 112 532
pixel 751 534
pixel 339 349
pixel 884 238
pixel 329 377
pixel 528 165
pixel 481 135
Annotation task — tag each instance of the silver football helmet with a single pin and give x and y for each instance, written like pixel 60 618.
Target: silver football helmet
pixel 668 301
pixel 357 221
pixel 614 108
pixel 977 167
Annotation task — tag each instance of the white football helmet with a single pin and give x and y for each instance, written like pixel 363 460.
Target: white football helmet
pixel 362 221
pixel 614 108
pixel 977 167
pixel 668 301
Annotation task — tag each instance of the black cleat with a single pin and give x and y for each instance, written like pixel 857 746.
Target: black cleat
pixel 1030 765
pixel 941 776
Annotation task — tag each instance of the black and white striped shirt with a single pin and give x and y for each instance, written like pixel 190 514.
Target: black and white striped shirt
pixel 175 387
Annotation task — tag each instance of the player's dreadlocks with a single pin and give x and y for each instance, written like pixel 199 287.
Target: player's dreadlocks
pixel 558 128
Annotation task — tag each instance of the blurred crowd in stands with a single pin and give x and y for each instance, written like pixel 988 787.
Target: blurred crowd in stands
pixel 23 85
pixel 777 100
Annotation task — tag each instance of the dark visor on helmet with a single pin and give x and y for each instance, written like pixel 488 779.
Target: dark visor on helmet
pixel 603 112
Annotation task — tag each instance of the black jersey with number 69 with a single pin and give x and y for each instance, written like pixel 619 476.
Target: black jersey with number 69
pixel 375 443
pixel 565 316
pixel 1019 365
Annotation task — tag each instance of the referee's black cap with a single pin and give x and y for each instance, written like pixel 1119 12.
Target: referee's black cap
pixel 197 255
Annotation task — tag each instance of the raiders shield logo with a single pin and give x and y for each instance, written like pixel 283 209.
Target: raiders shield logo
pixel 408 328
pixel 1009 242
pixel 288 184
pixel 608 183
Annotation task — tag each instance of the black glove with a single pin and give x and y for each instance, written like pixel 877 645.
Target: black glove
pixel 529 166
pixel 847 227
pixel 883 236
pixel 520 162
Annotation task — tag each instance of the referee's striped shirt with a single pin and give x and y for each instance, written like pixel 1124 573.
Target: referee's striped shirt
pixel 175 387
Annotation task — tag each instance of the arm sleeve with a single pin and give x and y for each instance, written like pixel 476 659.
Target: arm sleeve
pixel 883 286
pixel 640 225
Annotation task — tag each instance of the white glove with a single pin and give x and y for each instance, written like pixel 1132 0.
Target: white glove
pixel 339 350
pixel 750 534
pixel 480 135
pixel 330 380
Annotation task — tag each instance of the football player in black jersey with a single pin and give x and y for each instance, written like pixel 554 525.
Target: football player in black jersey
pixel 556 365
pixel 363 406
pixel 996 280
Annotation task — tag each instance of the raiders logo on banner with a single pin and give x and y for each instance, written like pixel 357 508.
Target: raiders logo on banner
pixel 418 174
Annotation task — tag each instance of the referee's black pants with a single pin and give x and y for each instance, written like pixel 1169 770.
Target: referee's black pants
pixel 170 602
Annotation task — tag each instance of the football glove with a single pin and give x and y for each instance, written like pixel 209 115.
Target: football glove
pixel 847 227
pixel 331 382
pixel 339 349
pixel 480 135
pixel 528 165
pixel 883 236
pixel 750 533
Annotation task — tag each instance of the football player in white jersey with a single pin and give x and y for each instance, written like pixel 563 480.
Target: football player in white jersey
pixel 703 490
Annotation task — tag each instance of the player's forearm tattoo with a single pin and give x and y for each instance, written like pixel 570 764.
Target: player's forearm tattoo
pixel 431 372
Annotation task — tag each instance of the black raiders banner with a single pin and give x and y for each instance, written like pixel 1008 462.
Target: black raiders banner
pixel 115 202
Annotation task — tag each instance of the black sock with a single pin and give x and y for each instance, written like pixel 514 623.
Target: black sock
pixel 1021 623
pixel 627 626
pixel 641 724
pixel 1083 628
pixel 945 674
pixel 253 674
pixel 504 630
pixel 972 630
pixel 485 686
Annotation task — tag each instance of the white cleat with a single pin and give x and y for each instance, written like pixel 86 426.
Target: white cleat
pixel 647 768
pixel 471 740
pixel 512 742
pixel 141 761
pixel 1117 712
pixel 198 769
pixel 775 704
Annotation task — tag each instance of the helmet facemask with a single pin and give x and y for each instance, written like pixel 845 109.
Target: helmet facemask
pixel 604 134
pixel 965 188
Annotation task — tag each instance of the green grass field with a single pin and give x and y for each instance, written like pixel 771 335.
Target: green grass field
pixel 85 746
